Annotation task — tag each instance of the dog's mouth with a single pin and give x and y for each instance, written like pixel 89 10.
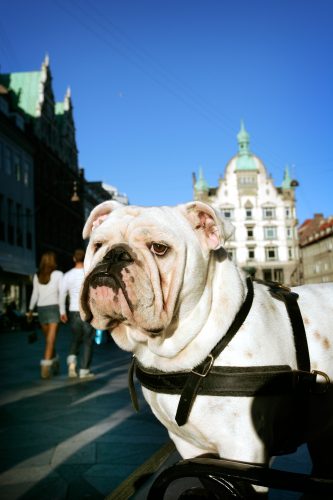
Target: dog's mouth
pixel 103 279
pixel 121 292
pixel 99 281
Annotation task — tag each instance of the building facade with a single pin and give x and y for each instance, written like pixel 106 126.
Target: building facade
pixel 17 225
pixel 265 241
pixel 316 249
pixel 44 197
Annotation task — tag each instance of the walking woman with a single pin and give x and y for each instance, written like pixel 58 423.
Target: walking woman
pixel 45 294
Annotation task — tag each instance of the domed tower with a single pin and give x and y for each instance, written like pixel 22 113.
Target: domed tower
pixel 265 241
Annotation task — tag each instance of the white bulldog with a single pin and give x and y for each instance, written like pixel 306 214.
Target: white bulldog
pixel 160 280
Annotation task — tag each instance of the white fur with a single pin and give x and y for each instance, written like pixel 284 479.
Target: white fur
pixel 206 291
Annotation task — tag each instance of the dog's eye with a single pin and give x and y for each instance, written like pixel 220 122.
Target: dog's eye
pixel 159 248
pixel 97 245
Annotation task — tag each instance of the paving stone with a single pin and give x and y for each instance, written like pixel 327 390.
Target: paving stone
pixel 24 456
pixel 67 453
pixel 105 478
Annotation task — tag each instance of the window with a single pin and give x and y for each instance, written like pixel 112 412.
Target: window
pixel 19 228
pixel 250 232
pixel 290 253
pixel 231 253
pixel 247 180
pixel 248 213
pixel 228 213
pixel 269 212
pixel 17 168
pixel 7 161
pixel 28 215
pixel 287 212
pixel 270 233
pixel 26 173
pixel 250 253
pixel 271 253
pixel 289 232
pixel 273 275
pixel 10 227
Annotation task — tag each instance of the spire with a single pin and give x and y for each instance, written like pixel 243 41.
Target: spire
pixel 201 185
pixel 286 184
pixel 245 159
pixel 201 188
pixel 243 139
pixel 67 99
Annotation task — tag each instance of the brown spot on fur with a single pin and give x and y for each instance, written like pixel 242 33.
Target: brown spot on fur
pixel 132 279
pixel 306 321
pixel 317 335
pixel 326 343
pixel 249 354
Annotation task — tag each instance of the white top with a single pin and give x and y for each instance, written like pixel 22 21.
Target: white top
pixel 71 284
pixel 46 295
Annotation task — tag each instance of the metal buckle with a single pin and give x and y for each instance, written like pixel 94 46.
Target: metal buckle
pixel 207 370
pixel 326 380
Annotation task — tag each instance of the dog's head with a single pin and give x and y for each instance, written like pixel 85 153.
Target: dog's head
pixel 146 267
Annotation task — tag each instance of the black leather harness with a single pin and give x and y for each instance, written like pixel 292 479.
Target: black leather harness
pixel 209 380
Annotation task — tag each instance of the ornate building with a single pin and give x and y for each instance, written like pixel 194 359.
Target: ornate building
pixel 44 198
pixel 316 249
pixel 45 159
pixel 265 242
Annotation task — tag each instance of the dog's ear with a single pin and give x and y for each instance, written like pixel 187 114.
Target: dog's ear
pixel 98 215
pixel 212 228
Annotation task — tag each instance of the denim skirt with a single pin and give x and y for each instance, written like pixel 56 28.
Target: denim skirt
pixel 48 314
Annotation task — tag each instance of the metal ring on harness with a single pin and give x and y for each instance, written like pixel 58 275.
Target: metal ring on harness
pixel 207 368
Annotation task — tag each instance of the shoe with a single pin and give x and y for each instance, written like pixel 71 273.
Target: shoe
pixel 71 363
pixel 72 370
pixel 86 374
pixel 46 368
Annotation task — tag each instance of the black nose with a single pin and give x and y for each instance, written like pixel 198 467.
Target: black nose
pixel 118 255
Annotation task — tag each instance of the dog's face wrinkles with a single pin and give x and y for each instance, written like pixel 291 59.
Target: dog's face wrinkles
pixel 132 272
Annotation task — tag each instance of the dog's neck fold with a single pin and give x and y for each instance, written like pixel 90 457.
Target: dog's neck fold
pixel 198 332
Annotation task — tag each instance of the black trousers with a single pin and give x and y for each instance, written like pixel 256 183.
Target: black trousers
pixel 83 334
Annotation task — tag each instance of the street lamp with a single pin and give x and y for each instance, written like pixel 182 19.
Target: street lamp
pixel 75 197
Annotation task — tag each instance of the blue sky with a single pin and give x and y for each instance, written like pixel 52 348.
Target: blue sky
pixel 159 87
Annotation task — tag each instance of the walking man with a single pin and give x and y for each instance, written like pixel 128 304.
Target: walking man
pixel 82 332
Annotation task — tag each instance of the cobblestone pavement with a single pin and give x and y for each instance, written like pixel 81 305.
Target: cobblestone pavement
pixel 65 439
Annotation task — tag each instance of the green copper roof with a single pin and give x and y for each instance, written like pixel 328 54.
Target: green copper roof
pixel 59 108
pixel 245 159
pixel 26 87
pixel 201 184
pixel 243 136
pixel 286 183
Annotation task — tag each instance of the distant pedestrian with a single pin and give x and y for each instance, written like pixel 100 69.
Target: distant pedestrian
pixel 82 332
pixel 45 294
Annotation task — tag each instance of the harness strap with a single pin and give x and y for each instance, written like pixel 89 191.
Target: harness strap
pixel 236 381
pixel 289 298
pixel 194 378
